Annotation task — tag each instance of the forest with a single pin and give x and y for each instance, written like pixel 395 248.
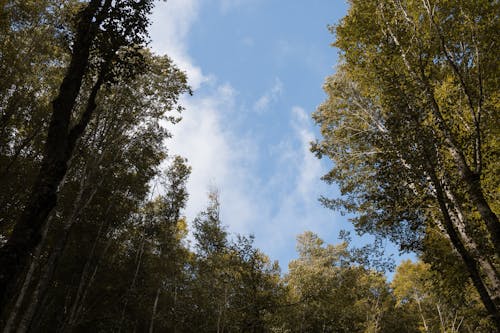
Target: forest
pixel 93 231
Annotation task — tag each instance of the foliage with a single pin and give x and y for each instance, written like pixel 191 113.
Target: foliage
pixel 330 293
pixel 419 291
pixel 115 252
pixel 409 123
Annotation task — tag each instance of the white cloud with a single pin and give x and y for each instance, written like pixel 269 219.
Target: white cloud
pixel 172 21
pixel 296 186
pixel 275 209
pixel 270 96
pixel 217 156
pixel 275 206
pixel 310 166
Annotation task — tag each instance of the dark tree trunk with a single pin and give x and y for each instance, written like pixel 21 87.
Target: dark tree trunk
pixel 470 263
pixel 14 256
pixel 20 299
pixel 49 268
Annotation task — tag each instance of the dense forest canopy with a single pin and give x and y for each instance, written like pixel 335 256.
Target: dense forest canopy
pixel 93 231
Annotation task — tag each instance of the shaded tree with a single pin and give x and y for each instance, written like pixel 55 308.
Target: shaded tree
pixel 105 47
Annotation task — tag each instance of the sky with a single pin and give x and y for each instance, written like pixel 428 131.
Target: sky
pixel 256 68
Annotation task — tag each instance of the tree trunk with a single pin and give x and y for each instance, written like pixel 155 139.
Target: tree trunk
pixel 468 260
pixel 471 180
pixel 35 262
pixel 475 192
pixel 14 256
pixel 460 222
pixel 77 310
pixel 153 313
pixel 49 268
pixel 134 279
pixel 424 322
pixel 86 280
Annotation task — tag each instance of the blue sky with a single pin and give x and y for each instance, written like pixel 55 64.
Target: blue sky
pixel 257 68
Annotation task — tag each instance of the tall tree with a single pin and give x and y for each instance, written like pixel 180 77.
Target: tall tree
pixel 212 268
pixel 236 288
pixel 410 123
pixel 105 48
pixel 109 178
pixel 33 55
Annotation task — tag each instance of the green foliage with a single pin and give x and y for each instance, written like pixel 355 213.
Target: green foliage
pixel 437 307
pixel 115 254
pixel 330 293
pixel 409 123
pixel 33 53
pixel 236 287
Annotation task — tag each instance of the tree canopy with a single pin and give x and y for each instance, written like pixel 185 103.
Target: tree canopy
pixel 411 123
pixel 93 229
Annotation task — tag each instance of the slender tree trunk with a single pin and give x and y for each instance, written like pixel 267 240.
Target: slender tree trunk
pixel 471 180
pixel 441 319
pixel 475 192
pixel 86 280
pixel 219 319
pixel 484 260
pixel 43 283
pixel 35 262
pixel 222 307
pixel 424 322
pixel 153 313
pixel 134 279
pixel 14 256
pixel 49 268
pixel 77 314
pixel 37 294
pixel 174 310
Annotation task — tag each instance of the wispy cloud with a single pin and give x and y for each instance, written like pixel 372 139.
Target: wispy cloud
pixel 270 96
pixel 310 167
pixel 219 157
pixel 172 21
pixel 275 207
pixel 297 187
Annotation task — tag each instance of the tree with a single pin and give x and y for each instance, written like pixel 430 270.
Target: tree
pixel 105 48
pixel 110 175
pixel 235 287
pixel 418 292
pixel 256 288
pixel 117 258
pixel 212 269
pixel 30 44
pixel 329 292
pixel 410 124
